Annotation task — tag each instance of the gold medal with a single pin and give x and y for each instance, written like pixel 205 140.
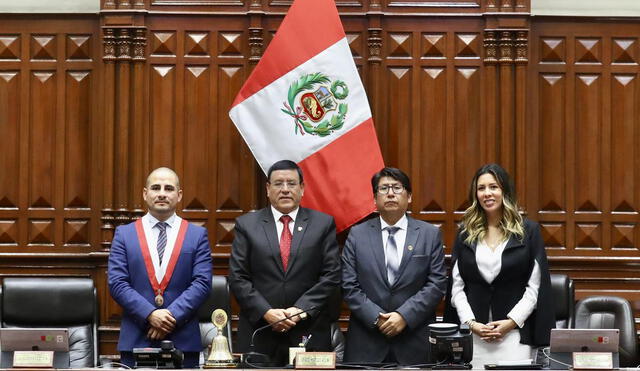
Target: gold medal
pixel 159 300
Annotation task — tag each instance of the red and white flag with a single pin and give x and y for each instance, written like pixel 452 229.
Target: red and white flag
pixel 305 102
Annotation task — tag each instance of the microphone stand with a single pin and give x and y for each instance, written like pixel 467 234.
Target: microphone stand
pixel 256 357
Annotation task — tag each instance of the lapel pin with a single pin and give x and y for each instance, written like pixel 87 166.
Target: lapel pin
pixel 299 229
pixel 410 247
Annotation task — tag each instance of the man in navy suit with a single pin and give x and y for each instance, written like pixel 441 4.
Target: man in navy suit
pixel 284 260
pixel 393 277
pixel 160 272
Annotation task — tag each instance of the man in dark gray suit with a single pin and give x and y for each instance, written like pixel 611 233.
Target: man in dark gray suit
pixel 393 277
pixel 284 260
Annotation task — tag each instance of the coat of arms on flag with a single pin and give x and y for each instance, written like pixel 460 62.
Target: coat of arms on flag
pixel 312 108
pixel 305 102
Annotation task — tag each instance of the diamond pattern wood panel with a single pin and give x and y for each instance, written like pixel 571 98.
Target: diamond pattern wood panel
pixel 624 51
pixel 588 50
pixel 589 236
pixel 76 232
pixel 163 43
pixel 399 45
pixel 356 44
pixel 552 50
pixel 196 44
pixel 224 231
pixel 230 44
pixel 467 45
pixel 43 47
pixel 554 235
pixel 8 232
pixel 78 47
pixel 434 45
pixel 623 236
pixel 10 47
pixel 41 232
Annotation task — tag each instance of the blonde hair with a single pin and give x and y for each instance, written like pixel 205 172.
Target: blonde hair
pixel 474 221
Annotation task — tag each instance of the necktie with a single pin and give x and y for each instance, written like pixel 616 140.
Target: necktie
pixel 162 240
pixel 285 240
pixel 393 263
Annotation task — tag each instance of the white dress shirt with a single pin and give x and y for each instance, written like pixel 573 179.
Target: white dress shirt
pixel 151 233
pixel 489 264
pixel 400 236
pixel 280 225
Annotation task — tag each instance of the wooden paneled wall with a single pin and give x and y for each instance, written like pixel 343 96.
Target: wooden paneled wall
pixel 90 103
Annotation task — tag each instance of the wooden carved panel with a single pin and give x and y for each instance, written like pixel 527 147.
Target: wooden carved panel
pixel 466 149
pixel 42 134
pixel 77 138
pixel 588 151
pixel 431 195
pixel 10 94
pixel 624 157
pixel 552 141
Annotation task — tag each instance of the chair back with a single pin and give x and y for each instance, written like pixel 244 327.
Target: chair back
pixel 610 312
pixel 219 298
pixel 564 300
pixel 55 302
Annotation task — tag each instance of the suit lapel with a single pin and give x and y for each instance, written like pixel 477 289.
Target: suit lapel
pixel 269 226
pixel 378 247
pixel 413 232
pixel 513 242
pixel 299 229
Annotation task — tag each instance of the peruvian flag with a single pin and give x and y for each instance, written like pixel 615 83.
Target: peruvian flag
pixel 305 102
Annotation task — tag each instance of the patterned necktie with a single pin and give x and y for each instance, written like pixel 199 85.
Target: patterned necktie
pixel 393 263
pixel 285 240
pixel 162 240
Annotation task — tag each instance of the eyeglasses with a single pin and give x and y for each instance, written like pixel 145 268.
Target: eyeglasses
pixel 396 188
pixel 280 185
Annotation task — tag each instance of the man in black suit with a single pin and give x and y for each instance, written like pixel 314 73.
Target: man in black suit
pixel 284 260
pixel 393 278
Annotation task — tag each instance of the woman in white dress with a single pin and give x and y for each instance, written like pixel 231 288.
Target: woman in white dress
pixel 500 282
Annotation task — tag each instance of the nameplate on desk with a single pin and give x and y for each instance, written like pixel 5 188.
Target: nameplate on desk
pixel 316 360
pixel 42 359
pixel 592 361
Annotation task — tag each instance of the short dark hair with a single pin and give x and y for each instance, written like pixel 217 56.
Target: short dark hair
pixel 393 173
pixel 284 165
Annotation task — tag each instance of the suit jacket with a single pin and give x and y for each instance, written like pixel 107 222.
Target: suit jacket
pixel 415 294
pixel 501 295
pixel 259 282
pixel 188 288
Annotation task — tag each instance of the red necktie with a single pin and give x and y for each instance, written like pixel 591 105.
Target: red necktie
pixel 285 241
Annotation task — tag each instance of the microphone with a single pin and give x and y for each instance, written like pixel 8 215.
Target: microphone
pixel 254 356
pixel 278 321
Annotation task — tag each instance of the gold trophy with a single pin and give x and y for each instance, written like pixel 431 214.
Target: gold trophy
pixel 220 356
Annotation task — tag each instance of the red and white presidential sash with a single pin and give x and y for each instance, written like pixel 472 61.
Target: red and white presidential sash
pixel 159 287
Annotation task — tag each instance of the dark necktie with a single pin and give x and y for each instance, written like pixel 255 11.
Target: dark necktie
pixel 393 263
pixel 285 240
pixel 162 240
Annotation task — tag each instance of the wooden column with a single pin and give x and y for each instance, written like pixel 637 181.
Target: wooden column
pixel 138 138
pixel 521 62
pixel 122 134
pixel 506 153
pixel 491 94
pixel 109 59
pixel 374 43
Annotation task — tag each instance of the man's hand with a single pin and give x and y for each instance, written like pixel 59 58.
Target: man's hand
pixel 291 311
pixel 391 324
pixel 162 320
pixel 156 334
pixel 274 315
